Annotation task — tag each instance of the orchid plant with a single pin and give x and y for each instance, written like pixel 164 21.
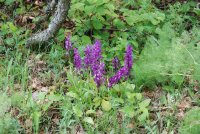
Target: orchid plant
pixel 93 61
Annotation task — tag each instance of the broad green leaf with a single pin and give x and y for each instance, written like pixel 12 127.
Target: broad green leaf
pixel 61 36
pixel 145 103
pixel 97 101
pixel 88 112
pixel 86 40
pixel 72 94
pixel 130 86
pixel 119 100
pixel 89 10
pixel 131 97
pixel 178 79
pixel 92 1
pixel 154 21
pixel 197 11
pixel 106 106
pixel 130 20
pixel 110 7
pixel 10 41
pixel 77 111
pixel 78 6
pixel 144 115
pixel 169 88
pixel 9 2
pixel 12 27
pixel 97 23
pixel 129 111
pixel 138 96
pixel 88 120
pixel 100 10
pixel 119 24
pixel 54 97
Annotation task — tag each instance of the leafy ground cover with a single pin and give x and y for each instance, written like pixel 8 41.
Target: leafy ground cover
pixel 41 90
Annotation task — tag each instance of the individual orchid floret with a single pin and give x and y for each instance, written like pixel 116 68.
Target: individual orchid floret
pixel 68 44
pixel 117 77
pixel 77 59
pixel 88 56
pixel 99 74
pixel 97 53
pixel 116 63
pixel 128 60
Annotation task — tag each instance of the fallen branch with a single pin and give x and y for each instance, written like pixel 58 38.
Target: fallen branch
pixel 58 18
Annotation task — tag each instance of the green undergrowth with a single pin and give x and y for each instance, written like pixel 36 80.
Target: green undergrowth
pixel 40 91
pixel 74 100
pixel 191 123
pixel 170 58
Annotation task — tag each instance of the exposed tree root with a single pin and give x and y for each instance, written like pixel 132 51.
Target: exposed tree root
pixel 58 18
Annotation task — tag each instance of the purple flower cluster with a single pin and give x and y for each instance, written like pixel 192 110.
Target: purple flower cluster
pixel 68 44
pixel 92 60
pixel 99 74
pixel 115 63
pixel 117 77
pixel 124 71
pixel 128 60
pixel 88 56
pixel 77 59
pixel 93 54
pixel 97 53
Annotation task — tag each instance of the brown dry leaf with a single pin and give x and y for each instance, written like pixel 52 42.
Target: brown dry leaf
pixel 1 41
pixel 55 120
pixel 17 86
pixel 164 132
pixel 180 115
pixel 42 132
pixel 14 112
pixel 184 104
pixel 24 19
pixel 32 26
pixel 35 95
pixel 79 129
pixel 120 118
pixel 28 126
pixel 40 66
pixel 36 64
pixel 44 89
pixel 99 113
pixel 196 86
pixel 38 3
pixel 130 126
pixel 36 84
pixel 153 94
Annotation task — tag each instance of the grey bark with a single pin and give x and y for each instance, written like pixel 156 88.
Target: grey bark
pixel 58 18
